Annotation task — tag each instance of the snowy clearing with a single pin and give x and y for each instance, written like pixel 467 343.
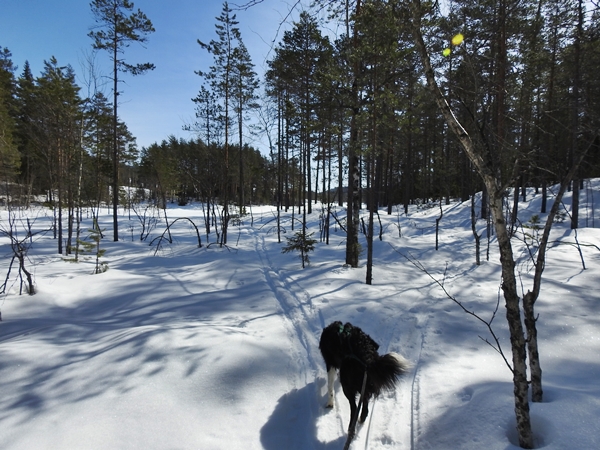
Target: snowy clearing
pixel 212 348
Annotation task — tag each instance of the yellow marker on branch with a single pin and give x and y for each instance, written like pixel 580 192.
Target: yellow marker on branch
pixel 456 40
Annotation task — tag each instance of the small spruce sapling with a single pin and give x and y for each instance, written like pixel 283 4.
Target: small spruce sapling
pixel 302 242
pixel 535 227
pixel 92 247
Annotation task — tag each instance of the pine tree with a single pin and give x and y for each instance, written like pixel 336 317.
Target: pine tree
pixel 117 30
pixel 301 242
pixel 25 130
pixel 298 72
pixel 98 143
pixel 208 112
pixel 222 81
pixel 245 86
pixel 9 155
pixel 57 131
pixel 159 166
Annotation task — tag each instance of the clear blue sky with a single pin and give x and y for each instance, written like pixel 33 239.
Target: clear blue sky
pixel 158 103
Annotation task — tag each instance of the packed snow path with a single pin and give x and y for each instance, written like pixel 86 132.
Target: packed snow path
pixel 305 322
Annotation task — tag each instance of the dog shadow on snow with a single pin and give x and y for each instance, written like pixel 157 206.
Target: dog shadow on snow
pixel 293 423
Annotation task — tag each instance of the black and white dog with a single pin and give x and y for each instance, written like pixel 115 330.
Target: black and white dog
pixel 354 353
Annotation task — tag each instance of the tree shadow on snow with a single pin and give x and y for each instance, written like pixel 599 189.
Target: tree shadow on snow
pixel 293 424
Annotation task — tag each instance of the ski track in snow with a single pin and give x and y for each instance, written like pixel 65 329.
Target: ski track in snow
pixel 305 325
pixel 303 331
pixel 412 402
pixel 392 417
pixel 296 306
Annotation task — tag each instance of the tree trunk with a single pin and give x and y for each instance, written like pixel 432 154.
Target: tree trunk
pixel 513 316
pixel 242 200
pixel 532 346
pixel 575 113
pixel 352 245
pixel 115 149
pixel 515 209
pixel 352 222
pixel 475 235
pixel 544 196
pixel 340 138
pixel 372 202
pixel 530 298
pixel 437 225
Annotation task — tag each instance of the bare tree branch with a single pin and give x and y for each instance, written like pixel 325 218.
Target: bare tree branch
pixel 245 6
pixel 488 323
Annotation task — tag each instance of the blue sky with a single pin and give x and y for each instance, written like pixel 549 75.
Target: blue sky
pixel 158 103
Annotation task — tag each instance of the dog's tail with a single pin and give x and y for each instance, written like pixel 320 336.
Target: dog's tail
pixel 384 372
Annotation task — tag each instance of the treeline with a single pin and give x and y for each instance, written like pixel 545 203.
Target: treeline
pixel 184 170
pixel 54 142
pixel 57 146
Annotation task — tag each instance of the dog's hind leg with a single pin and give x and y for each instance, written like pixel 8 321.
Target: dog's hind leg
pixel 364 410
pixel 351 396
pixel 330 380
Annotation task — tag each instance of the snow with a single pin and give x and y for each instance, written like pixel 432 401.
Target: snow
pixel 211 348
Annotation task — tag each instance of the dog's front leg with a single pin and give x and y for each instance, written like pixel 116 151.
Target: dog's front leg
pixel 330 380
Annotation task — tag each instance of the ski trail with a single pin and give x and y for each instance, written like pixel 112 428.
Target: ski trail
pixel 415 393
pixel 393 417
pixel 413 383
pixel 304 324
pixel 393 420
pixel 297 307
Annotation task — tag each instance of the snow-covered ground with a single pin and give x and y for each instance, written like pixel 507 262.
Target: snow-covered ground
pixel 217 348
